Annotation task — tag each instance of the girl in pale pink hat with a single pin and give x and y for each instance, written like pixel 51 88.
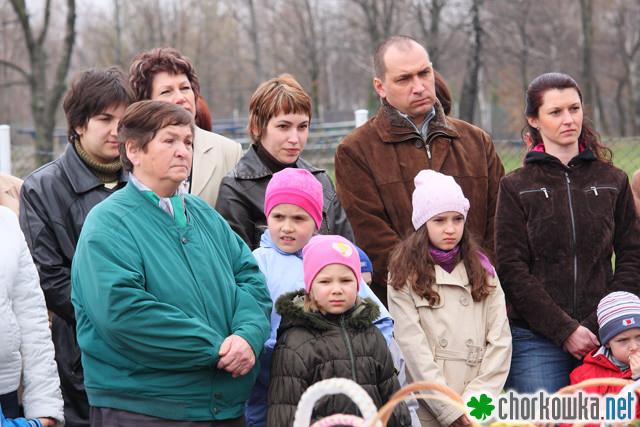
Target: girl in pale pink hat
pixel 449 309
pixel 327 331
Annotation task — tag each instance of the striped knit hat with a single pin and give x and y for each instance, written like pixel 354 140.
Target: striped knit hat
pixel 617 312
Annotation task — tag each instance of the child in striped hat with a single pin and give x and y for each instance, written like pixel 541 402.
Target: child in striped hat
pixel 619 353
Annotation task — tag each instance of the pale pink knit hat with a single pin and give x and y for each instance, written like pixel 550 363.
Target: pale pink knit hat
pixel 296 187
pixel 436 193
pixel 324 250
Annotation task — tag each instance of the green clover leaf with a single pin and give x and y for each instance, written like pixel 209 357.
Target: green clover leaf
pixel 482 408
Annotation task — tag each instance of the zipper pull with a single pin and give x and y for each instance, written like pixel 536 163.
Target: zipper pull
pixel 428 147
pixel 567 176
pixel 546 194
pixel 595 190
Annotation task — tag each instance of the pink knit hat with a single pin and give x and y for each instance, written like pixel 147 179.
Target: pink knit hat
pixel 324 250
pixel 436 193
pixel 296 187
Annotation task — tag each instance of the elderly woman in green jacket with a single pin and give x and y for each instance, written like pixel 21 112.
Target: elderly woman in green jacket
pixel 172 310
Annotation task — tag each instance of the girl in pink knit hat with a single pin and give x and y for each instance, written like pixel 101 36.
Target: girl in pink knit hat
pixel 447 303
pixel 327 331
pixel 293 206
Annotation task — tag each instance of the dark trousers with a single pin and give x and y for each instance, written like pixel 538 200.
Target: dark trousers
pixel 10 405
pixel 109 417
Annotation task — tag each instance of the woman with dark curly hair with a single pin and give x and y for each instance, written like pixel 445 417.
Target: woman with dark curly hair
pixel 560 218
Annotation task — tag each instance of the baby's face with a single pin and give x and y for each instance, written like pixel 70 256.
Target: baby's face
pixel 624 344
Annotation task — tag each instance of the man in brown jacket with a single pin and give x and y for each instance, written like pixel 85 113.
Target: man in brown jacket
pixel 376 163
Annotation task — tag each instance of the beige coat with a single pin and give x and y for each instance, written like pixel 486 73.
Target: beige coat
pixel 213 157
pixel 458 342
pixel 10 192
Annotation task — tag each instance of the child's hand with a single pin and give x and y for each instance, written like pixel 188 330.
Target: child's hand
pixel 634 364
pixel 48 422
pixel 461 422
pixel 580 342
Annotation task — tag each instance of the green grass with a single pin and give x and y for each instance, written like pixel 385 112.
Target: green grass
pixel 626 154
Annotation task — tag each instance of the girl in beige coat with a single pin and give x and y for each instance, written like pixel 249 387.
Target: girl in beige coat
pixel 449 309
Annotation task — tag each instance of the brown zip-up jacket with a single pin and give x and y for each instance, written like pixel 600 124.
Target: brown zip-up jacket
pixel 557 227
pixel 375 166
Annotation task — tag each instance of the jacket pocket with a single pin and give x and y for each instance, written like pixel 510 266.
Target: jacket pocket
pixel 601 202
pixel 539 203
pixel 424 303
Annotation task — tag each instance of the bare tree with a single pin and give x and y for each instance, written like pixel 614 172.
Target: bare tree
pixel 45 97
pixel 628 46
pixel 470 87
pixel 586 14
pixel 380 22
pixel 430 26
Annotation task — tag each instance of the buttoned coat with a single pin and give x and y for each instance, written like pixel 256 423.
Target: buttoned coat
pixel 463 344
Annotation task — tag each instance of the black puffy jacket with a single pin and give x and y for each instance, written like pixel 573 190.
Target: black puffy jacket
pixel 312 347
pixel 241 200
pixel 54 202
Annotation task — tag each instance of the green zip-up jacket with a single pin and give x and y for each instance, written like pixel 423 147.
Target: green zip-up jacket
pixel 154 302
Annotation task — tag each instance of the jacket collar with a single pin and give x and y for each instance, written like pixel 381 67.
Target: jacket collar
pixel 457 277
pixel 540 157
pixel 604 358
pixel 291 307
pixel 394 127
pixel 80 176
pixel 251 167
pixel 267 243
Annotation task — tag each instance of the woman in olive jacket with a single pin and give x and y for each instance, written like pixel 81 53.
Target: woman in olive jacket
pixel 559 220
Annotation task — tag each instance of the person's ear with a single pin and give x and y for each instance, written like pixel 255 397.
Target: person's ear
pixel 133 152
pixel 378 86
pixel 533 122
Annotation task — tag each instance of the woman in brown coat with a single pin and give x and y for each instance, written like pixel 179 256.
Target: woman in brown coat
pixel 559 220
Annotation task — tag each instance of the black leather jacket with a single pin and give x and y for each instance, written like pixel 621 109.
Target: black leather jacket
pixel 241 200
pixel 54 203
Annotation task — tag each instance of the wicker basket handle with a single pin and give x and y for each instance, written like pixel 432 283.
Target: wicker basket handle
pixel 335 386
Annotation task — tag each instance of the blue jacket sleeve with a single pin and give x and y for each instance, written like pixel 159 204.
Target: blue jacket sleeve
pixel 19 422
pixel 384 322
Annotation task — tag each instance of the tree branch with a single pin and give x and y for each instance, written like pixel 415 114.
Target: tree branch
pixel 16 67
pixel 45 25
pixel 65 60
pixel 14 83
pixel 20 8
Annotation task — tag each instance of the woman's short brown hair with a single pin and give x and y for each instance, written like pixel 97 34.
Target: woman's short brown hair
pixel 280 95
pixel 91 93
pixel 147 64
pixel 142 121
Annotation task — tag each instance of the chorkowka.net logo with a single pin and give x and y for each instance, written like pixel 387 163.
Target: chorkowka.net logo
pixel 560 408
